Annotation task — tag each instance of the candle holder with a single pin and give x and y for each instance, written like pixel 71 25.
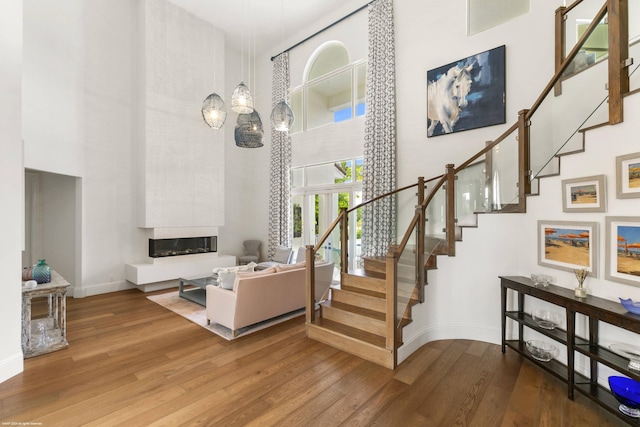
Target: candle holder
pixel 581 275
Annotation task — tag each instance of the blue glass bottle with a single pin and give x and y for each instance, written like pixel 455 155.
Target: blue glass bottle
pixel 41 272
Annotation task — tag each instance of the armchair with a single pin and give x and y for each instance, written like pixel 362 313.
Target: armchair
pixel 251 252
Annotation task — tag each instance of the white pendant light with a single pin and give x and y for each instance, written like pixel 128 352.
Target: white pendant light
pixel 282 117
pixel 242 100
pixel 214 111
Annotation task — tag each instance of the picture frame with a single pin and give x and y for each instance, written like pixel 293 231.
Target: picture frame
pixel 628 176
pixel 586 194
pixel 622 249
pixel 467 94
pixel 568 245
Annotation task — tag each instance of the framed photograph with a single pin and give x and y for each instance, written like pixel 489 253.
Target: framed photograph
pixel 568 245
pixel 584 194
pixel 467 94
pixel 622 263
pixel 628 176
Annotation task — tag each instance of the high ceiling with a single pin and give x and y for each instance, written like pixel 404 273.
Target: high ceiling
pixel 269 22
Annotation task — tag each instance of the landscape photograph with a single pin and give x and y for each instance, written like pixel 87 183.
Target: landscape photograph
pixel 628 259
pixel 567 245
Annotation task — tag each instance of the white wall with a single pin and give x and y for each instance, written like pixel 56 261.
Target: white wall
pixel 53 85
pixel 11 187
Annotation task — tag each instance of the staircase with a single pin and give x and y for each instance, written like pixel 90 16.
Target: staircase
pixel 365 314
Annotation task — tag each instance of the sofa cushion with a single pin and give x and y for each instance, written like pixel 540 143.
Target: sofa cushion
pixel 282 255
pixel 289 267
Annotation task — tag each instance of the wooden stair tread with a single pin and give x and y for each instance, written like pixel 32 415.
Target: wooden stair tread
pixel 354 333
pixel 375 315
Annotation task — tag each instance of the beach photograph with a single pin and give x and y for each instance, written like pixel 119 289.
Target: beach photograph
pixel 634 175
pixel 628 253
pixel 567 246
pixel 581 194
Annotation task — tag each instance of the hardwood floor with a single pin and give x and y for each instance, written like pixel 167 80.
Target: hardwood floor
pixel 131 362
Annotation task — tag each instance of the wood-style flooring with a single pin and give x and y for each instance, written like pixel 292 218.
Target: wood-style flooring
pixel 131 362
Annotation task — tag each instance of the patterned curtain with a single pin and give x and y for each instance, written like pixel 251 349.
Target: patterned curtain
pixel 379 167
pixel 279 185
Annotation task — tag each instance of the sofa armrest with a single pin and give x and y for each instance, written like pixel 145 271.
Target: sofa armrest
pixel 221 306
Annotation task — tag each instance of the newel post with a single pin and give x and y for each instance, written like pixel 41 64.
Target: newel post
pixel 392 297
pixel 618 21
pixel 524 161
pixel 310 284
pixel 344 240
pixel 450 210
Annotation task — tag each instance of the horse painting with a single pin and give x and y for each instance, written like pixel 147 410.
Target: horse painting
pixel 467 94
pixel 447 96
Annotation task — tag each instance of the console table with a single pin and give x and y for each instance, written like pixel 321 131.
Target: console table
pixel 40 336
pixel 596 310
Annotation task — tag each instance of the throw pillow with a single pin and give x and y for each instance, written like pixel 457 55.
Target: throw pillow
pixel 282 255
pixel 226 280
pixel 289 267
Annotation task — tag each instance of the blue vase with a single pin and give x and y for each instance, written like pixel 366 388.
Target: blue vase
pixel 41 272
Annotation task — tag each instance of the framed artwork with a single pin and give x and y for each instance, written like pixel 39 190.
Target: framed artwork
pixel 467 94
pixel 568 245
pixel 622 246
pixel 628 176
pixel 584 194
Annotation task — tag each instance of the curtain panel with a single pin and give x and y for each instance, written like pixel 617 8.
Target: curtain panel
pixel 280 163
pixel 379 167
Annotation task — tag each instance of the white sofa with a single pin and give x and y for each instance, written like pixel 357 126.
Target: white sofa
pixel 262 295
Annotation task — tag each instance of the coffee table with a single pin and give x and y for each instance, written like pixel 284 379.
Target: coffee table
pixel 198 292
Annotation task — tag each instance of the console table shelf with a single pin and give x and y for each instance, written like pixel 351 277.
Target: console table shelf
pixel 596 310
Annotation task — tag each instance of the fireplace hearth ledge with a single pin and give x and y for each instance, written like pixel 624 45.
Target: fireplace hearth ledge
pixel 148 273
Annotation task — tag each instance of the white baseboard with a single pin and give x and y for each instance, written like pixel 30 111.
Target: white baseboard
pixel 101 288
pixel 447 332
pixel 11 366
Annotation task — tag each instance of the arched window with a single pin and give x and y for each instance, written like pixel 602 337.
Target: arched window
pixel 333 88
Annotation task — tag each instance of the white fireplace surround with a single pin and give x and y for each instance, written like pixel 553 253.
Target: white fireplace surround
pixel 160 273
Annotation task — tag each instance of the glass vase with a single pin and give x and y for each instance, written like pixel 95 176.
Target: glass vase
pixel 41 272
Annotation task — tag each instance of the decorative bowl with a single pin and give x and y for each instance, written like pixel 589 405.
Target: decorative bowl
pixel 542 351
pixel 627 391
pixel 633 307
pixel 630 352
pixel 541 279
pixel 546 319
pixel 30 284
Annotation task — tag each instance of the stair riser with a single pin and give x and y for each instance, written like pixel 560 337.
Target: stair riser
pixel 366 351
pixel 360 300
pixel 366 283
pixel 354 320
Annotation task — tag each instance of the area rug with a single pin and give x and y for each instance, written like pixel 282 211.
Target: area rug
pixel 196 313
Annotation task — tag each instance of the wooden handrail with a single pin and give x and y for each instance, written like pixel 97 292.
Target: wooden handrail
pixel 487 148
pixel 328 232
pixel 390 193
pixel 556 77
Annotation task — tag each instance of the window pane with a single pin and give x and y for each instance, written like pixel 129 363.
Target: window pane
pixel 297 177
pixel 296 107
pixel 359 169
pixel 326 97
pixel 344 169
pixel 330 59
pixel 326 173
pixel 361 89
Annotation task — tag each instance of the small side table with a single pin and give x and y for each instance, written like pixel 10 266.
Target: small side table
pixel 40 336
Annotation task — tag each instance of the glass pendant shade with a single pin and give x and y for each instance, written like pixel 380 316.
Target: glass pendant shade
pixel 241 100
pixel 282 117
pixel 214 112
pixel 249 131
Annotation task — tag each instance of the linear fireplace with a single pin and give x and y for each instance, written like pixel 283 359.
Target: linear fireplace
pixel 159 248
